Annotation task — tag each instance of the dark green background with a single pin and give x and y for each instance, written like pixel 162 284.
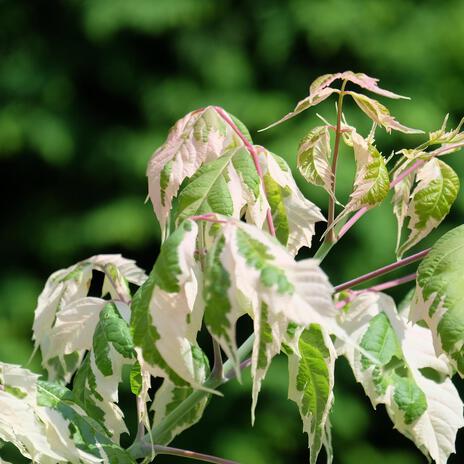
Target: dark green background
pixel 88 90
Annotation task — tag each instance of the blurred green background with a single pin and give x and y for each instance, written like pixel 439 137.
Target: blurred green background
pixel 88 90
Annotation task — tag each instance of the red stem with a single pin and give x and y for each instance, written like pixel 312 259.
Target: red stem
pixel 383 270
pixel 254 154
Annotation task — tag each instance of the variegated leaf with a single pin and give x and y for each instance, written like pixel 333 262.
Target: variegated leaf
pixel 65 291
pixel 224 185
pixel 372 183
pixel 96 382
pixel 400 200
pixel 396 365
pixel 360 79
pixel 293 215
pixel 41 432
pixel 431 200
pixel 319 91
pixel 249 272
pixel 380 114
pixel 313 158
pixel 200 136
pixel 61 405
pixel 166 310
pixel 169 396
pixel 311 381
pixel 439 296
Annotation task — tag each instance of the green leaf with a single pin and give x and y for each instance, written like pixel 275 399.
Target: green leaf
pixel 372 182
pixel 431 200
pixel 393 363
pixel 439 299
pixel 313 158
pixel 293 215
pixel 311 380
pixel 220 186
pixel 166 311
pixel 112 331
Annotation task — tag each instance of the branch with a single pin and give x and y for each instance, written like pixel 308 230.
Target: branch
pixel 382 271
pixel 331 213
pixel 254 154
pixel 188 454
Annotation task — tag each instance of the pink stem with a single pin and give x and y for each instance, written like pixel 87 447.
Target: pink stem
pixel 254 154
pixel 383 270
pixel 351 222
pixel 353 219
pixel 406 172
pixel 376 288
pixel 393 283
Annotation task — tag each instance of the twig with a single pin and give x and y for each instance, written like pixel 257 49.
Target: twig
pixel 383 270
pixel 190 455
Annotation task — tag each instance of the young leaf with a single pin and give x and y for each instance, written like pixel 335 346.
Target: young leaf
pixel 314 98
pixel 294 216
pixel 439 296
pixel 319 91
pixel 311 380
pixel 372 183
pixel 431 200
pixel 164 310
pixel 380 114
pixel 198 137
pixel 313 158
pixel 224 185
pixel 361 79
pixel 395 364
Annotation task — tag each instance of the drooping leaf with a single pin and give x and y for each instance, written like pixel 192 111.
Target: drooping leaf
pixel 439 296
pixel 249 272
pixel 60 305
pixel 313 158
pixel 166 310
pixel 311 381
pixel 431 200
pixel 39 433
pixel 85 431
pixel 293 215
pixel 96 382
pixel 380 114
pixel 200 136
pixel 395 362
